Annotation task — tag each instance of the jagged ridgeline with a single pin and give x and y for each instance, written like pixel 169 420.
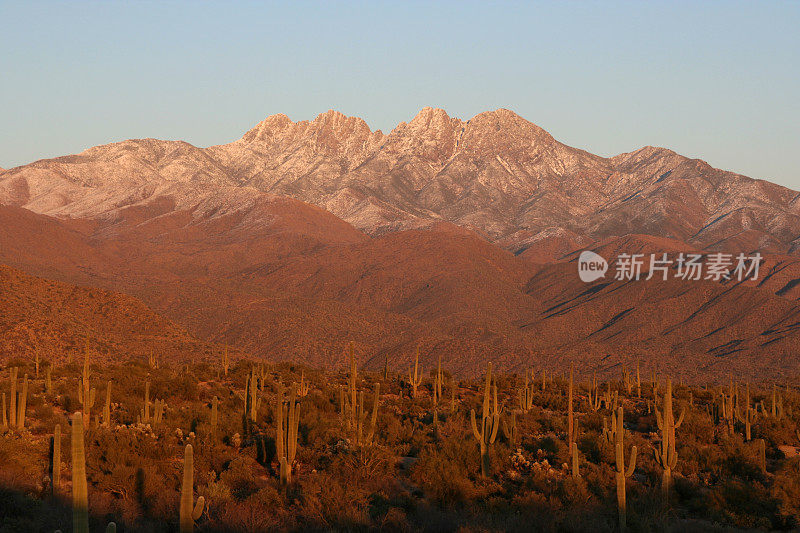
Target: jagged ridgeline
pixel 247 445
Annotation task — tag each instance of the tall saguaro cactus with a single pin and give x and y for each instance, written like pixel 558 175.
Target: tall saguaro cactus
pixel 287 422
pixel 438 382
pixel 214 416
pixel 746 416
pixel 22 403
pixel 570 412
pixel 189 514
pixel 594 395
pixel 12 398
pixel 48 379
pixel 107 406
pixel 490 422
pixel 18 401
pixel 80 494
pixel 351 387
pixel 145 413
pixel 55 461
pixel 762 455
pixel 667 455
pixel 225 361
pixel 361 417
pixel 86 393
pixel 638 381
pixel 415 376
pixel 526 395
pixel 252 397
pixel 510 431
pixel 622 472
pixel 572 427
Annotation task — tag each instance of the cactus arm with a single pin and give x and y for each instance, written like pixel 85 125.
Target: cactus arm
pixel 680 419
pixel 631 462
pixel 198 508
pixel 475 432
pixel 495 426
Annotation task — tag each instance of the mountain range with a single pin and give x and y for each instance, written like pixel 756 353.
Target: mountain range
pixel 457 236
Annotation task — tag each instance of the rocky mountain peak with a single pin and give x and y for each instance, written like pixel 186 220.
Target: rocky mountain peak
pixel 496 173
pixel 268 128
pixel 503 131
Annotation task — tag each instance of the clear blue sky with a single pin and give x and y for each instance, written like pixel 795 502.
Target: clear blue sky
pixel 719 80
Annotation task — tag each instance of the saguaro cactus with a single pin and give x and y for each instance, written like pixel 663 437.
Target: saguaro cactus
pixel 438 383
pixel 638 381
pixel 776 405
pixel 188 514
pixel 18 401
pixel 12 398
pixel 746 417
pixel 48 379
pixel 626 380
pixel 287 421
pixel 667 455
pixel 594 395
pixel 351 388
pixel 572 426
pixel 509 425
pixel 158 411
pixel 415 376
pixel 107 406
pixel 570 412
pixel 55 461
pixel 526 395
pixel 302 390
pixel 574 455
pixel 22 403
pixel 80 495
pixel 361 417
pixel 214 416
pixel 622 472
pixel 145 412
pixel 86 393
pixel 252 398
pixel 490 422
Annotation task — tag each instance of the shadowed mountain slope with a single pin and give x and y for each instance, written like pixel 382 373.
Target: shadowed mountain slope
pixel 286 280
pixel 60 320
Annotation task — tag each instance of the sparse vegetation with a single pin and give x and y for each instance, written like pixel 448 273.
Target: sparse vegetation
pixel 251 446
